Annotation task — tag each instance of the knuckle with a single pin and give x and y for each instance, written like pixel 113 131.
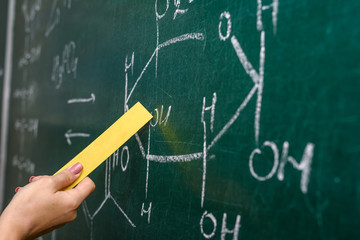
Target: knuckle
pixel 72 204
pixel 72 216
pixel 50 181
pixel 92 186
pixel 68 176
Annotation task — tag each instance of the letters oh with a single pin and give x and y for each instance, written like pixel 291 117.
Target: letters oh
pixel 211 219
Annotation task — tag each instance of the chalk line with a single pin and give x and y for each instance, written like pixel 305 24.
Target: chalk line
pixel 54 19
pixel 260 88
pixel 244 61
pixel 69 135
pixel 141 74
pixel 122 211
pixel 174 158
pixel 181 38
pixel 147 164
pixel 157 44
pixel 99 208
pixel 234 117
pixel 82 100
pixel 141 147
pixel 204 154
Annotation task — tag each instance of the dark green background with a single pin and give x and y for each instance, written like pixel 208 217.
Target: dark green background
pixel 310 95
pixel 3 21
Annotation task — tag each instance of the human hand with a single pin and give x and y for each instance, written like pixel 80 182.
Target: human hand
pixel 41 206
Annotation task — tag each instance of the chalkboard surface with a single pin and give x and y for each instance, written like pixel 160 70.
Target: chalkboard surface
pixel 256 112
pixel 3 21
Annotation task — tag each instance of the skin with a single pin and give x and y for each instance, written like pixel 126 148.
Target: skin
pixel 41 206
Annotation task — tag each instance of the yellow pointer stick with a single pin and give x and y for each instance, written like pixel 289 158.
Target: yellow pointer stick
pixel 109 141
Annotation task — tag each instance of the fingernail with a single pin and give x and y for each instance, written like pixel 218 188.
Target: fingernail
pixel 17 189
pixel 75 169
pixel 31 179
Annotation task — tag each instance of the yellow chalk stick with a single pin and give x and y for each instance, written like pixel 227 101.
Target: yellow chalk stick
pixel 109 141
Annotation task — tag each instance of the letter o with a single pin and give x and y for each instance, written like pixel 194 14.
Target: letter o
pixel 160 16
pixel 156 118
pixel 228 28
pixel 213 219
pixel 275 165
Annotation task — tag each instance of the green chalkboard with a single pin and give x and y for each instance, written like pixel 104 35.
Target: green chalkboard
pixel 3 21
pixel 255 105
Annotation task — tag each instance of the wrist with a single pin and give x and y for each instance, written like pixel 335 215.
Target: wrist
pixel 10 230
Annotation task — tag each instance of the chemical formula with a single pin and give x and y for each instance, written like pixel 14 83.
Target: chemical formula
pixel 207 120
pixel 65 68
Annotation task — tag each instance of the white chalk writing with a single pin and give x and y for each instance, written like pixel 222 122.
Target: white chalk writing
pixel 212 130
pixel 69 135
pixel 24 93
pixel 54 16
pixel 27 125
pixel 30 10
pixel 23 164
pixel 29 57
pixel 224 228
pixel 82 100
pixel 64 64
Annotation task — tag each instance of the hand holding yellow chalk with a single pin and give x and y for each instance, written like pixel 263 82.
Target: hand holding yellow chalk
pixel 109 141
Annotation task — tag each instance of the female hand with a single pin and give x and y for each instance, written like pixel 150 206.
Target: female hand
pixel 41 206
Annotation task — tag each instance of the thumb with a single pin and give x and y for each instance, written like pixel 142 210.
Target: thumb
pixel 67 177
